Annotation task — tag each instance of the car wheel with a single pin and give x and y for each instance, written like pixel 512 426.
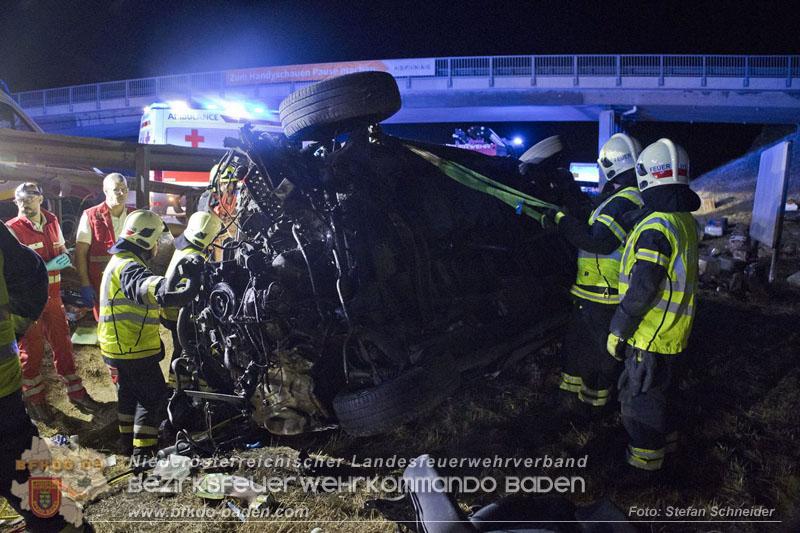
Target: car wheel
pixel 322 110
pixel 378 409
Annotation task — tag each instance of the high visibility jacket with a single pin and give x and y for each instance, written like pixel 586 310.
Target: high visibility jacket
pixel 598 275
pixel 43 242
pixel 127 329
pixel 10 367
pixel 665 328
pixel 103 238
pixel 171 313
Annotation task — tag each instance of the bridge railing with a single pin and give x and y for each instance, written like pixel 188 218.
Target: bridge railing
pixel 620 66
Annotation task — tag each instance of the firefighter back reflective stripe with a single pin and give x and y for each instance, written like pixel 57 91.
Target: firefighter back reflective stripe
pixel 125 329
pixel 665 328
pixel 598 274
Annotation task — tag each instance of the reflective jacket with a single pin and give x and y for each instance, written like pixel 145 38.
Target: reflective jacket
pixel 126 328
pixel 10 367
pixel 171 313
pixel 666 326
pixel 598 274
pixel 45 243
pixel 103 238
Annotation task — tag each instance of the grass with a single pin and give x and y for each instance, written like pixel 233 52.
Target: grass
pixel 740 447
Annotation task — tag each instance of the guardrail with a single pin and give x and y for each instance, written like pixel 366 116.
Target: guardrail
pixel 576 66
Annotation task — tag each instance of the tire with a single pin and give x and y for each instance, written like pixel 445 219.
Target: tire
pixel 320 111
pixel 375 410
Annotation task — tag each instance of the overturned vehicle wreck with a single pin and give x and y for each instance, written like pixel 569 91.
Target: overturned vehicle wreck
pixel 358 282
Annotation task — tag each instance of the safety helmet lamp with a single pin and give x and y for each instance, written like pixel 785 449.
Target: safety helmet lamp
pixel 143 228
pixel 618 155
pixel 662 163
pixel 202 228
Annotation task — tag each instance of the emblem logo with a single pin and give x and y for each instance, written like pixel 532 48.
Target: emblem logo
pixel 45 496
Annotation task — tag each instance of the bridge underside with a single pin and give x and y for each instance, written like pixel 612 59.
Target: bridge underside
pixel 118 119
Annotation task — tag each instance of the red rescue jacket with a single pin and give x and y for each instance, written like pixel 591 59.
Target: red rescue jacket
pixel 42 242
pixel 102 239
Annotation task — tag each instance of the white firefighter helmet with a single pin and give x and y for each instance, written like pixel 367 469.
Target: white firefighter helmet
pixel 143 228
pixel 662 163
pixel 618 154
pixel 202 228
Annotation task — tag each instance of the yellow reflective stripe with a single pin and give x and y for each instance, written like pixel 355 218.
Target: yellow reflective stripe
pixel 652 256
pixel 146 430
pixel 570 383
pixel 32 382
pixel 125 418
pixel 133 317
pixel 644 458
pixel 119 301
pixel 611 224
pixel 125 429
pixel 611 299
pixel 597 402
pixel 54 278
pixel 130 355
pixel 33 391
pixel 144 443
pixel 74 388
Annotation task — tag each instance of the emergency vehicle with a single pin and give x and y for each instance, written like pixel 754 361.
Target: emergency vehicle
pixel 179 124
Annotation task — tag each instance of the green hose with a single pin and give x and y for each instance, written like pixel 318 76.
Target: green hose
pixel 523 203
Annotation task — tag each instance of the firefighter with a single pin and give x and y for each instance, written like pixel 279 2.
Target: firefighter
pixel 130 297
pixel 97 231
pixel 24 292
pixel 657 285
pixel 39 229
pixel 588 372
pixel 223 200
pixel 201 230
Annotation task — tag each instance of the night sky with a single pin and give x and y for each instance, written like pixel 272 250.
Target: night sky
pixel 54 43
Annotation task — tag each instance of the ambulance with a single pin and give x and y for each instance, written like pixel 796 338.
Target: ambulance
pixel 179 124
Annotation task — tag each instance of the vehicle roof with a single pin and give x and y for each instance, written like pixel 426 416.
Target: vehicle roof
pixel 7 100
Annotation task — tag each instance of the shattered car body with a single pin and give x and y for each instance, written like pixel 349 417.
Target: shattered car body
pixel 359 282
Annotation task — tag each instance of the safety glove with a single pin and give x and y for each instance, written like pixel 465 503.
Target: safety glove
pixel 60 262
pixel 637 378
pixel 88 295
pixel 551 218
pixel 615 346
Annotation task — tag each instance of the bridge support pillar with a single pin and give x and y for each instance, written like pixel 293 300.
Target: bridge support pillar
pixel 607 123
pixel 607 126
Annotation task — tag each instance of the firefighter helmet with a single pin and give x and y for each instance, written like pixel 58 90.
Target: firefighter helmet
pixel 662 163
pixel 225 176
pixel 618 154
pixel 143 228
pixel 202 228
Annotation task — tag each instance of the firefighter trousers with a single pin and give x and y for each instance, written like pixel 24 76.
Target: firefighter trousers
pixel 588 369
pixel 141 397
pixel 18 432
pixel 650 418
pixel 52 325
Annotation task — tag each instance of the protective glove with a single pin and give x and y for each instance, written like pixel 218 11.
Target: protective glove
pixel 60 262
pixel 616 346
pixel 191 266
pixel 88 295
pixel 636 379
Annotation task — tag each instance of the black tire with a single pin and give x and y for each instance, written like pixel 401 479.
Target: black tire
pixel 322 110
pixel 375 410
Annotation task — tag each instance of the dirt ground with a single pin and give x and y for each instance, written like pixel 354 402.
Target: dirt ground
pixel 739 447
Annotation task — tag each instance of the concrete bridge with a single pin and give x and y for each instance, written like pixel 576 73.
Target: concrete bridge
pixel 601 88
